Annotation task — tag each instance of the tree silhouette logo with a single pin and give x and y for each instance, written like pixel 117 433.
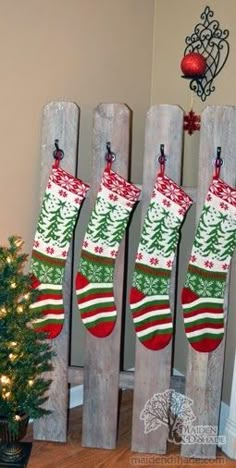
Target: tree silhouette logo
pixel 170 409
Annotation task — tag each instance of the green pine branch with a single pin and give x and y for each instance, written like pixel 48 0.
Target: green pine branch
pixel 24 354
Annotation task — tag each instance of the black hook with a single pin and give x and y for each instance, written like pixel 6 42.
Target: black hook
pixel 218 161
pixel 110 156
pixel 58 153
pixel 162 157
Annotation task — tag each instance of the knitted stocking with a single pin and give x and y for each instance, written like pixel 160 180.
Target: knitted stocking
pixel 59 211
pixel 149 299
pixel 213 247
pixel 107 224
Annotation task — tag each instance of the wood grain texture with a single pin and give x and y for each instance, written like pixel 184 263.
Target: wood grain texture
pixel 164 125
pixel 102 355
pixel 60 120
pixel 205 370
pixel 230 429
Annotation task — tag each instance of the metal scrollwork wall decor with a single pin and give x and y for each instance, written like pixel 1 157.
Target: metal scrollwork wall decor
pixel 210 41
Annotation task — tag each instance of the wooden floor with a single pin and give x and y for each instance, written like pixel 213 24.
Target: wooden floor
pixel 71 454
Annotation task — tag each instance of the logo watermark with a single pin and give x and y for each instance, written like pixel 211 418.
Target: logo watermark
pixel 172 461
pixel 174 410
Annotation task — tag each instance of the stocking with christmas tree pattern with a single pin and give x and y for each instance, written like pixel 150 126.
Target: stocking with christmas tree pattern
pixel 106 228
pixel 60 207
pixel 213 247
pixel 149 298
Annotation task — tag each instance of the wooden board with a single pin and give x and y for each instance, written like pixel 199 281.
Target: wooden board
pixel 164 125
pixel 126 379
pixel 60 120
pixel 205 370
pixel 102 355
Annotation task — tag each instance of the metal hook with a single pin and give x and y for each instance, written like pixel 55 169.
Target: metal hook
pixel 58 153
pixel 162 157
pixel 110 156
pixel 218 162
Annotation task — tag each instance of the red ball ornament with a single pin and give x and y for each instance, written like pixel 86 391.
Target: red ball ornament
pixel 193 65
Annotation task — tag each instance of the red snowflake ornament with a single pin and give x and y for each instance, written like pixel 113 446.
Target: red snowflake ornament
pixel 192 122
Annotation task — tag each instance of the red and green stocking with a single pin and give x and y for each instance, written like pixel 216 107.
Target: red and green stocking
pixel 58 215
pixel 149 298
pixel 107 224
pixel 213 247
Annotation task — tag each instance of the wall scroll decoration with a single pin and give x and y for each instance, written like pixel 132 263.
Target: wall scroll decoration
pixel 205 55
pixel 209 41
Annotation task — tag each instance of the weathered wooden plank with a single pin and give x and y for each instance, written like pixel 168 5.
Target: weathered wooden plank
pixel 126 379
pixel 102 355
pixel 205 370
pixel 230 429
pixel 164 125
pixel 59 121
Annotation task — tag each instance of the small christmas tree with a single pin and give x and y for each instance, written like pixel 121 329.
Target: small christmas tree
pixel 24 354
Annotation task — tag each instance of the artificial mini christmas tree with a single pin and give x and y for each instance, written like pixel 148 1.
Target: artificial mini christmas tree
pixel 24 354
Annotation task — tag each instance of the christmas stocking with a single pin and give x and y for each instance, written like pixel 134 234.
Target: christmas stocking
pixel 149 298
pixel 60 207
pixel 107 224
pixel 213 247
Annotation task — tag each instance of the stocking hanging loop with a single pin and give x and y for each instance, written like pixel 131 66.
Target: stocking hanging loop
pixel 58 154
pixel 162 160
pixel 110 156
pixel 218 162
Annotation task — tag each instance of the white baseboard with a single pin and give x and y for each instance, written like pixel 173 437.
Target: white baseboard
pixel 76 396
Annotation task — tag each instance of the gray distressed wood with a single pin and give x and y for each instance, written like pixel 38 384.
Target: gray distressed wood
pixel 60 120
pixel 102 355
pixel 164 125
pixel 205 370
pixel 126 379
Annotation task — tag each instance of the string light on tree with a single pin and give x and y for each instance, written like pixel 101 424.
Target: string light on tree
pixel 5 380
pixel 18 242
pixel 12 357
pixel 24 354
pixel 6 395
pixel 3 312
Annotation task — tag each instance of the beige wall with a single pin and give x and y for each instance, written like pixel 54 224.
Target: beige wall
pixel 87 51
pixel 174 20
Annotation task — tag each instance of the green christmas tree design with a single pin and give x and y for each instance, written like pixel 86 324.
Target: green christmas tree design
pixel 44 214
pixel 67 229
pixel 172 238
pixel 155 231
pixel 56 219
pixel 214 236
pixel 99 221
pixel 202 228
pixel 116 227
pixel 228 245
